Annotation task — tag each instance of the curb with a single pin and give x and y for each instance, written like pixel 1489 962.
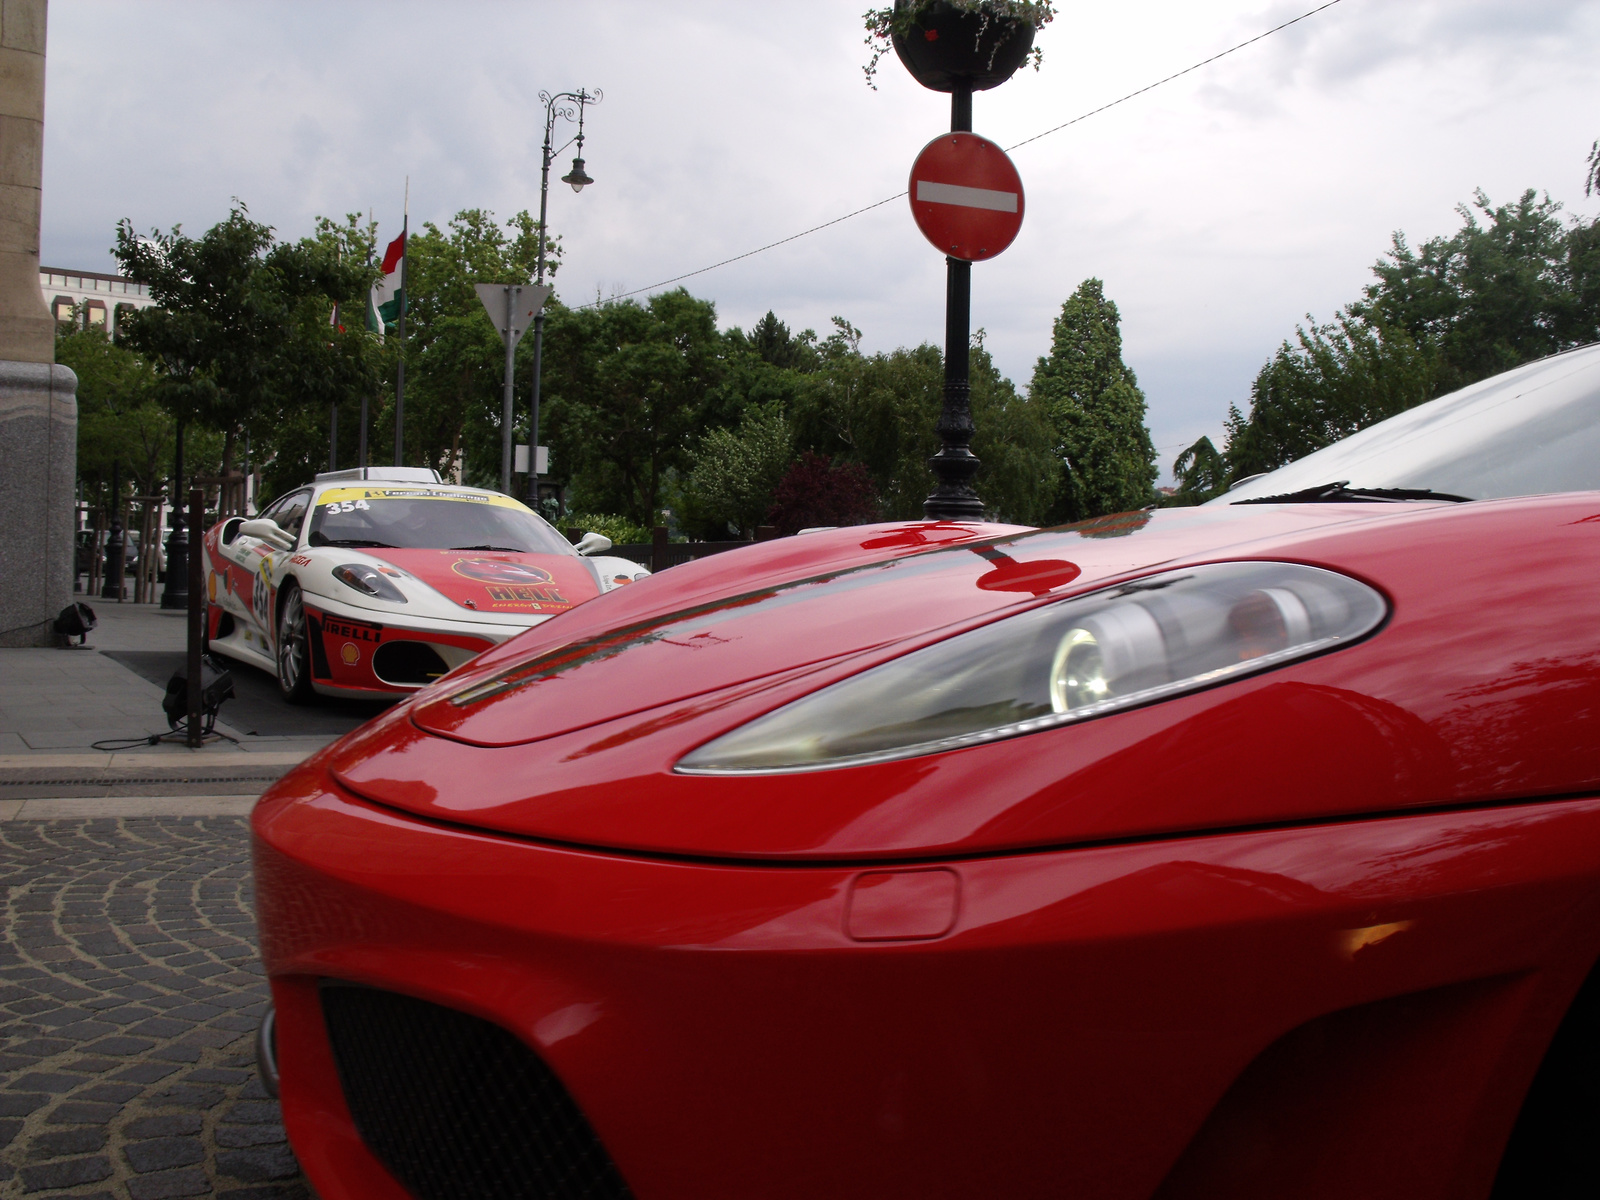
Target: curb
pixel 91 808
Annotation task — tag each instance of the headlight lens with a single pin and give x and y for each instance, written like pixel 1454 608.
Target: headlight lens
pixel 369 581
pixel 1064 662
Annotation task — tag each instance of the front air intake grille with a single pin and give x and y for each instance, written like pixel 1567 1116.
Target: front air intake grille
pixel 456 1107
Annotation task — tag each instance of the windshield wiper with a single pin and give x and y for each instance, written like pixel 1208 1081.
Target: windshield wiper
pixel 320 539
pixel 507 549
pixel 1340 490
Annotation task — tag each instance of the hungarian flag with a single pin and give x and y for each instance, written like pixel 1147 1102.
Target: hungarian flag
pixel 387 296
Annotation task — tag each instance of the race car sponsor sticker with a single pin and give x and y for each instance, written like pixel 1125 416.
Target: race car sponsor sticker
pixel 350 499
pixel 498 570
pixel 350 653
pixel 352 631
pixel 510 582
pixel 526 595
pixel 261 598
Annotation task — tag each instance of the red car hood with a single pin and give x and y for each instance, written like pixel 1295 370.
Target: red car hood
pixel 496 582
pixel 570 732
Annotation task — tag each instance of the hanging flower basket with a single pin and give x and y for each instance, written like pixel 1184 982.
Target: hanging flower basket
pixel 950 44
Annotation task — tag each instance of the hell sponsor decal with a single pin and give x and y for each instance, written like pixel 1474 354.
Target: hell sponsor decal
pixel 511 582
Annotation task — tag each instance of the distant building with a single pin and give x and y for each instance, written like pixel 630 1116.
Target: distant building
pixel 103 297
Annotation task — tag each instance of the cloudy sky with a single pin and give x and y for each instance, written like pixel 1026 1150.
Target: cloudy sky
pixel 1218 209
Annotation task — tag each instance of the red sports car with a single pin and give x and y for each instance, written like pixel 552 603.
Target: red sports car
pixel 1243 851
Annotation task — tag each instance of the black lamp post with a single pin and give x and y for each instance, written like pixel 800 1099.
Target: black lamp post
pixel 959 51
pixel 559 105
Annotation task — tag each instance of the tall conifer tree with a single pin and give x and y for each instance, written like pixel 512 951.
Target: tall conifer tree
pixel 1097 411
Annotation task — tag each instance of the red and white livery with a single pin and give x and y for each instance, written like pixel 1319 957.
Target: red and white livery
pixel 377 581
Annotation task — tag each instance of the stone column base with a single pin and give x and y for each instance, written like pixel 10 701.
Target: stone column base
pixel 38 492
pixel 31 637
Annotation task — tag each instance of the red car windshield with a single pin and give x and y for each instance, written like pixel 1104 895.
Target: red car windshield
pixel 415 519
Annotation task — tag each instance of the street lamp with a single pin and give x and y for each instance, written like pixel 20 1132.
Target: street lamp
pixel 560 105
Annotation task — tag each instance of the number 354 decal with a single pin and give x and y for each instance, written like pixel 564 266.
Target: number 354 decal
pixel 344 506
pixel 261 598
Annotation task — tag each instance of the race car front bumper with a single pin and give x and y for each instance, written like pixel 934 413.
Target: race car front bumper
pixel 361 652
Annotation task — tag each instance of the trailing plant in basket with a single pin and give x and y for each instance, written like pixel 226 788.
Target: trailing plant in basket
pixel 884 23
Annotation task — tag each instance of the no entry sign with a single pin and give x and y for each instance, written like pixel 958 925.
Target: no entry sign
pixel 966 196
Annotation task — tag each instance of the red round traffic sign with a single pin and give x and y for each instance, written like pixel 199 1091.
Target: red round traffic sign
pixel 966 196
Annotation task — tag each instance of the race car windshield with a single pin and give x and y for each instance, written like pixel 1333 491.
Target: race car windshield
pixel 431 522
pixel 1529 431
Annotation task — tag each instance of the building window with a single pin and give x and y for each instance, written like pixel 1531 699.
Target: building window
pixel 95 314
pixel 61 306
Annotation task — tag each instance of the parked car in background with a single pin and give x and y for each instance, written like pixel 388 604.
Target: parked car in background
pixel 89 540
pixel 1249 850
pixel 377 581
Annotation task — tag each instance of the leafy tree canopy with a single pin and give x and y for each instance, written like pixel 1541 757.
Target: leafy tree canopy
pixel 815 492
pixel 628 386
pixel 1513 283
pixel 241 335
pixel 737 471
pixel 455 366
pixel 1096 411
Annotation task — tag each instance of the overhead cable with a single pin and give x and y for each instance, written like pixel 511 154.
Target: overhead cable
pixel 1206 62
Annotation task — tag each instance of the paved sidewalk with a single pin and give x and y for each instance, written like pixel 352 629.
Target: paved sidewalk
pixel 130 991
pixel 53 701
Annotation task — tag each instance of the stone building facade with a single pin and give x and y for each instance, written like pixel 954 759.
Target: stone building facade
pixel 38 399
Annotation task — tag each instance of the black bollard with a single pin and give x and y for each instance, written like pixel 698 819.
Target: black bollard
pixel 116 542
pixel 175 595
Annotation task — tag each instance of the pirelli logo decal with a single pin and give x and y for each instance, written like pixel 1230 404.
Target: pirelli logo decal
pixel 355 631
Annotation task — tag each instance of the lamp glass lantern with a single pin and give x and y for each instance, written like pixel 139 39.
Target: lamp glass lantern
pixel 577 177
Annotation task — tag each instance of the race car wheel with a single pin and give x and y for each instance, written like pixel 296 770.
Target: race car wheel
pixel 294 650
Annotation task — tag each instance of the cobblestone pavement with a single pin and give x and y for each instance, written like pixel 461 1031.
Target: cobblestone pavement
pixel 130 992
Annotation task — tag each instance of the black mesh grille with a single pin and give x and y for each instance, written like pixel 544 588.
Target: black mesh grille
pixel 456 1107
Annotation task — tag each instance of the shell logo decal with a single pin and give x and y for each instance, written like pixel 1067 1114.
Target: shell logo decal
pixel 494 570
pixel 351 653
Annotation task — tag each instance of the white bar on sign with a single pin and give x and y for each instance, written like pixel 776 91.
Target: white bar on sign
pixel 952 193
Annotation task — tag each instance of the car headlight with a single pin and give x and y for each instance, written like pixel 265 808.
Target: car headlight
pixel 1064 662
pixel 369 581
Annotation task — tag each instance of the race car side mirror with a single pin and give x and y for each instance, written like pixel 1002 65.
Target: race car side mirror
pixel 593 543
pixel 267 530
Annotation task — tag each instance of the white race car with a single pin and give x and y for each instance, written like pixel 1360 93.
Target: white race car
pixel 376 581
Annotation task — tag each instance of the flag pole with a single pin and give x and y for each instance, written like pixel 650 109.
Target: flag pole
pixel 400 376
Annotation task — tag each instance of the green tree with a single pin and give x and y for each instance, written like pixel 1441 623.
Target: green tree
pixel 1333 380
pixel 1512 284
pixel 770 340
pixel 628 387
pixel 240 336
pixel 880 410
pixel 119 422
pixel 1492 295
pixel 455 365
pixel 1097 411
pixel 1201 472
pixel 737 471
pixel 1019 478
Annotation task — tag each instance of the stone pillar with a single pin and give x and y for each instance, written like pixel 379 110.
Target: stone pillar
pixel 38 399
